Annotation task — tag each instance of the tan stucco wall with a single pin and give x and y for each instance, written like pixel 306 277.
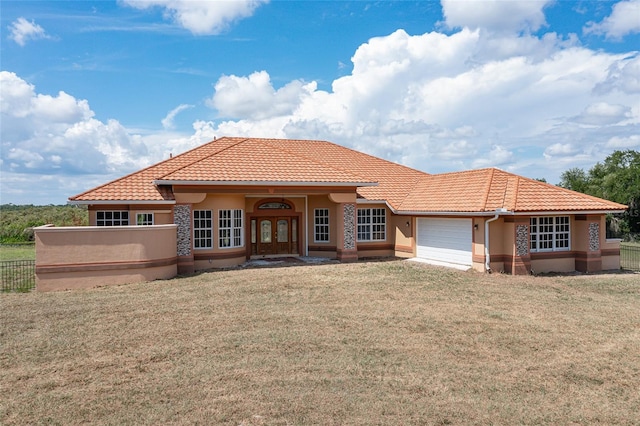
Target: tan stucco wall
pixel 541 266
pixel 403 234
pixel 84 257
pixel 162 214
pixel 323 202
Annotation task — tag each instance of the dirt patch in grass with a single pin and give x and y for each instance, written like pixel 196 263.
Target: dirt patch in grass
pixel 363 343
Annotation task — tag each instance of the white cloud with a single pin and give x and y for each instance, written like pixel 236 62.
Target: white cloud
pixel 22 31
pixel 623 76
pixel 58 134
pixel 497 156
pixel 624 20
pixel 602 113
pixel 630 142
pixel 495 15
pixel 254 96
pixel 203 17
pixel 167 122
pixel 447 102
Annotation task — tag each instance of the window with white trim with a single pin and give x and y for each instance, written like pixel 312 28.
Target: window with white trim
pixel 321 225
pixel 550 233
pixel 202 229
pixel 372 224
pixel 144 219
pixel 112 218
pixel 230 228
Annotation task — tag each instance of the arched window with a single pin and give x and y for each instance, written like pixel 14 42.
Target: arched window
pixel 275 205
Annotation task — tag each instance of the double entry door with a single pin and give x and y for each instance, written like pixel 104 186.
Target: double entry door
pixel 274 235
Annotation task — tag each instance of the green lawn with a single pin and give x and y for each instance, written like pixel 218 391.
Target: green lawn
pixel 388 343
pixel 18 252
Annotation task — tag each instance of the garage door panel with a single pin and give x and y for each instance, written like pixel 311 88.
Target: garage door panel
pixel 445 240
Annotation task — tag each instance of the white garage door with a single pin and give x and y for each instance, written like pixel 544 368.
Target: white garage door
pixel 445 240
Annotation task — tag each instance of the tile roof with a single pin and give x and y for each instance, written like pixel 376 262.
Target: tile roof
pixel 287 161
pixel 487 190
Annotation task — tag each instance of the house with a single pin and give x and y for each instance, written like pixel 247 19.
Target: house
pixel 234 199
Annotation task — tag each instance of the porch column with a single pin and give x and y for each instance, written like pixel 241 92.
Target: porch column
pixel 521 263
pixel 587 243
pixel 347 250
pixel 182 218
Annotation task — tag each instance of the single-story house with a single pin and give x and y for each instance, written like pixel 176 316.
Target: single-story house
pixel 235 198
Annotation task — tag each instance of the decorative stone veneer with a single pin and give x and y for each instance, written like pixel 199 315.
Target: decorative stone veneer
pixel 182 218
pixel 522 240
pixel 594 236
pixel 349 226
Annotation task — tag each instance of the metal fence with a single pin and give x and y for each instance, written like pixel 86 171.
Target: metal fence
pixel 630 257
pixel 17 275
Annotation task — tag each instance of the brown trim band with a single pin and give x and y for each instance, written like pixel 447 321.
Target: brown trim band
pixel 552 255
pixel 106 266
pixel 610 252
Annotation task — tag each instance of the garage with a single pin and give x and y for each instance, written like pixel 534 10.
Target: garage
pixel 446 241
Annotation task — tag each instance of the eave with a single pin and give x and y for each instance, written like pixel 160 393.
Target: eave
pixel 116 202
pixel 259 183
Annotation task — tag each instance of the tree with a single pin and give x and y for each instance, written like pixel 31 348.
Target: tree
pixel 575 179
pixel 616 179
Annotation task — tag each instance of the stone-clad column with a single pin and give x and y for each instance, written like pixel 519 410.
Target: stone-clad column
pixel 522 259
pixel 347 249
pixel 587 243
pixel 182 218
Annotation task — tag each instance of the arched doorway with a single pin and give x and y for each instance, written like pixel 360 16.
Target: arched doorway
pixel 274 229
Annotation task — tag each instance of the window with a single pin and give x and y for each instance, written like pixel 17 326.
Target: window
pixel 372 225
pixel 202 229
pixel 274 206
pixel 549 233
pixel 143 219
pixel 321 225
pixel 112 218
pixel 230 228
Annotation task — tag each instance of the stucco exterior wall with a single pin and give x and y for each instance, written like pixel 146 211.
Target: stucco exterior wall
pixel 88 256
pixel 322 248
pixel 403 229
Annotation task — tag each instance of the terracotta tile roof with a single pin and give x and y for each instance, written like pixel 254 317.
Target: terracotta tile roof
pixel 262 160
pixel 487 190
pixel 256 160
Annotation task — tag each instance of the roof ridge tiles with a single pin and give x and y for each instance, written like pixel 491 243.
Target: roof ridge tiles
pixel 199 159
pixel 488 188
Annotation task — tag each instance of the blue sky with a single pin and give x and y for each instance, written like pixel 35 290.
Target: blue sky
pixel 91 91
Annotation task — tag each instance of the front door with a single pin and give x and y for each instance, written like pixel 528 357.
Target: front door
pixel 274 235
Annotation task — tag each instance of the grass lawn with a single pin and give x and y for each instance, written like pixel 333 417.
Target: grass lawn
pixel 346 344
pixel 18 252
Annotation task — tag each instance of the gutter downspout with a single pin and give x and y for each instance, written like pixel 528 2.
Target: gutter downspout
pixel 487 256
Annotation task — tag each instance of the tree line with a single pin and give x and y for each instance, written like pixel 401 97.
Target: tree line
pixel 616 179
pixel 17 222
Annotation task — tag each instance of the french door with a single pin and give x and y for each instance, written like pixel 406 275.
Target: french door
pixel 274 235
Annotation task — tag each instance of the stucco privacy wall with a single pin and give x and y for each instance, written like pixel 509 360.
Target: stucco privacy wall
pixel 91 256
